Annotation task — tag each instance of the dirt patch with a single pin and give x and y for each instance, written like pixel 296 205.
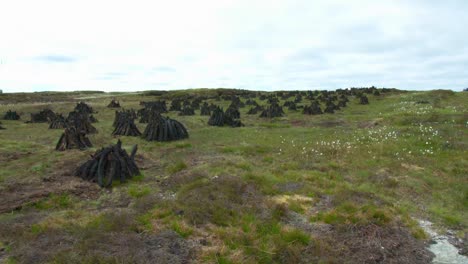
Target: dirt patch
pixel 181 178
pixel 298 123
pixel 165 247
pixel 289 186
pixel 114 247
pixel 376 244
pixel 360 244
pixel 370 123
pixel 6 157
pixel 144 163
pixel 411 167
pixel 332 123
pixel 14 197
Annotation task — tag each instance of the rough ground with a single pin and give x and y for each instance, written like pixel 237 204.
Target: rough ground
pixel 341 188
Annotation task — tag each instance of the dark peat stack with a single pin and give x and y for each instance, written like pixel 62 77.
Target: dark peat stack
pixel 176 105
pixel 82 107
pixel 43 116
pixel 331 107
pixel 233 112
pixel 254 110
pixel 274 110
pixel 72 138
pixel 114 104
pixel 187 111
pixel 217 117
pixel 205 109
pixel 220 118
pixel 92 119
pixel 125 124
pixel 59 122
pixel 109 164
pixel 11 115
pixel 80 120
pixel 363 100
pixel 312 109
pixel 164 129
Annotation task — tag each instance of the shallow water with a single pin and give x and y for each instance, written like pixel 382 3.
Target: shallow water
pixel 445 253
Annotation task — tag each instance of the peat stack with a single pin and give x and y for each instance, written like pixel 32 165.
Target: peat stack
pixel 292 106
pixel 237 103
pixel 109 164
pixel 217 117
pixel 82 107
pixel 220 118
pixel 344 98
pixel 43 116
pixel 233 112
pixel 331 107
pixel 313 109
pixel 273 100
pixel 165 129
pixel 73 138
pixel 187 111
pixel 205 109
pixel 146 114
pixel 125 124
pixel 341 103
pixel 59 122
pixel 298 99
pixel 250 102
pixel 196 103
pixel 176 105
pixel 274 110
pixel 80 120
pixel 92 119
pixel 159 106
pixel 11 115
pixel 363 100
pixel 254 110
pixel 114 104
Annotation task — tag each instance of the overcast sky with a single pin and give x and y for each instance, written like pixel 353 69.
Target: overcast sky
pixel 252 44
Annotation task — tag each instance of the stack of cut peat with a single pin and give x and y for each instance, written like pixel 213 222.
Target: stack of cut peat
pixel 255 109
pixel 124 124
pixel 150 109
pixel 313 109
pixel 72 138
pixel 81 121
pixel 59 122
pixel 205 109
pixel 82 107
pixel 363 100
pixel 77 127
pixel 114 104
pixel 43 116
pixel 274 110
pixel 187 111
pixel 164 129
pixel 11 115
pixel 220 118
pixel 109 164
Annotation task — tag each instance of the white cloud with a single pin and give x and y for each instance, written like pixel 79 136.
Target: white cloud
pixel 301 44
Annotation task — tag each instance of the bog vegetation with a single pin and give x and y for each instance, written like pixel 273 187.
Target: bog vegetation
pixel 277 177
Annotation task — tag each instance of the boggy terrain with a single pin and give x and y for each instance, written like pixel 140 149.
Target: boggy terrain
pixel 232 176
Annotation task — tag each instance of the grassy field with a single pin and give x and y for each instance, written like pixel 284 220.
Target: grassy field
pixel 333 188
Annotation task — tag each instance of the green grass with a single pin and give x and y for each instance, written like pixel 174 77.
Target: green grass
pixel 239 186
